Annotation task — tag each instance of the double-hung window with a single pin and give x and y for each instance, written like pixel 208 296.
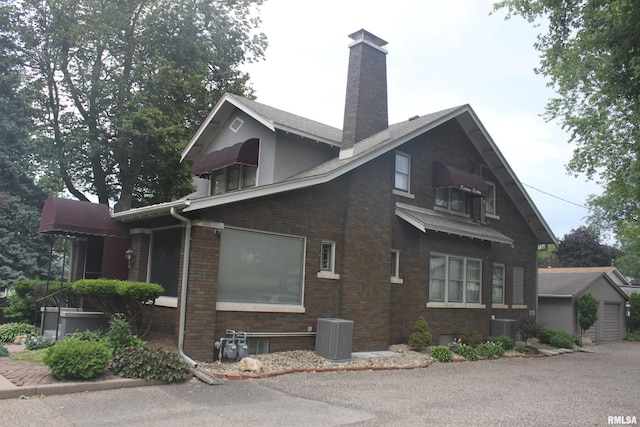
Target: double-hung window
pixel 403 172
pixel 497 290
pixel 328 257
pixel 490 201
pixel 455 279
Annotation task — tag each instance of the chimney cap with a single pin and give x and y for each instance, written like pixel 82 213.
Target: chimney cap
pixel 363 34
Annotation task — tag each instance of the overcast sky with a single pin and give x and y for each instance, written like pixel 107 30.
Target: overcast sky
pixel 441 54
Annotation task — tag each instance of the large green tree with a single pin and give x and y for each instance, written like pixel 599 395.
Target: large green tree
pixel 591 55
pixel 23 252
pixel 121 85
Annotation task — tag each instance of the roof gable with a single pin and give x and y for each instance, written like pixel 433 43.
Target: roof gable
pixel 270 117
pixel 571 282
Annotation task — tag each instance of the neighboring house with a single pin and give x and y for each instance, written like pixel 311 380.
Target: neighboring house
pixel 558 293
pixel 293 221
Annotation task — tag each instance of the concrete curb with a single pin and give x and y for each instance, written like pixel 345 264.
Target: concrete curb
pixel 73 387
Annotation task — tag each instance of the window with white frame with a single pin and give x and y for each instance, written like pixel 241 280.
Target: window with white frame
pixel 454 279
pixel 403 172
pixel 328 256
pixel 450 199
pixel 260 268
pixel 490 200
pixel 395 264
pixel 518 285
pixel 497 290
pixel 231 178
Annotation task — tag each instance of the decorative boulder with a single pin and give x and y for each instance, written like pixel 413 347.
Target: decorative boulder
pixel 249 364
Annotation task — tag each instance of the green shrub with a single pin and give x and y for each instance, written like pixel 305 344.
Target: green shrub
pixel 420 339
pixel 587 311
pixel 524 350
pixel 634 311
pixel 471 338
pixel 4 352
pixel 561 339
pixel 545 335
pixel 467 352
pixel 149 364
pixel 490 350
pixel 528 327
pixel 9 331
pixel 22 299
pixel 633 336
pixel 505 341
pixel 442 354
pixel 36 343
pixel 74 359
pixel 93 336
pixel 119 336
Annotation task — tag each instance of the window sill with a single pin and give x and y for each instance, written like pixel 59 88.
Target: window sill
pixel 328 275
pixel 492 216
pixel 499 306
pixel 171 302
pixel 402 193
pixel 261 308
pixel 396 281
pixel 454 305
pixel 520 307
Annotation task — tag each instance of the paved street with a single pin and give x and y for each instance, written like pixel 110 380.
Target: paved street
pixel 572 389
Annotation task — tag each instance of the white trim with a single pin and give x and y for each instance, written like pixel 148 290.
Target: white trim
pixel 164 301
pixel 328 275
pixel 401 193
pixel 520 307
pixel 454 305
pixel 499 306
pixel 396 281
pixel 262 308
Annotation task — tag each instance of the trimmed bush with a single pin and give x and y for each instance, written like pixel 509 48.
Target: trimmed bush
pixel 4 352
pixel 442 354
pixel 9 331
pixel 490 350
pixel 420 339
pixel 561 339
pixel 505 341
pixel 36 343
pixel 149 364
pixel 467 352
pixel 73 359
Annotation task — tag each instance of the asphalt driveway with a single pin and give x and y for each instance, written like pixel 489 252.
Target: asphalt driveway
pixel 570 389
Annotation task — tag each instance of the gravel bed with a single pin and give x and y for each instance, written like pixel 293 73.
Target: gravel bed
pixel 299 360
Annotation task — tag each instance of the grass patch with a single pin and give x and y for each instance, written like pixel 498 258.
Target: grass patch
pixel 32 356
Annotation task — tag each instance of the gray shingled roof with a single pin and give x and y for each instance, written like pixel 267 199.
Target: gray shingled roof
pixel 282 119
pixel 564 283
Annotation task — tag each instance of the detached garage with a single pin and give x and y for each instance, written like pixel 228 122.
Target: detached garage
pixel 558 293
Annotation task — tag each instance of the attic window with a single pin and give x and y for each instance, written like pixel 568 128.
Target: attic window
pixel 236 124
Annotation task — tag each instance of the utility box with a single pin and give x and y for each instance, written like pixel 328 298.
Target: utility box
pixel 334 339
pixel 501 327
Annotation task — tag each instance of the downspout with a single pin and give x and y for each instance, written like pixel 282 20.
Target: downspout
pixel 185 277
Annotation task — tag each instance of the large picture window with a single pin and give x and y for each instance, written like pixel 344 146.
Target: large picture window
pixel 260 268
pixel 454 279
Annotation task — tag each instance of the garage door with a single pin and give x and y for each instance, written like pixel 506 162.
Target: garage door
pixel 611 322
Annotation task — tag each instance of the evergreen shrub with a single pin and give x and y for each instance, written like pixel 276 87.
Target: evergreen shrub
pixel 74 359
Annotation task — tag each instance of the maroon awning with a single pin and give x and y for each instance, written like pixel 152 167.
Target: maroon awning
pixel 73 217
pixel 450 177
pixel 245 153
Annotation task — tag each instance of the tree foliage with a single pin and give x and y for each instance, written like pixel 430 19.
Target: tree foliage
pixel 587 311
pixel 582 248
pixel 591 55
pixel 121 85
pixel 634 312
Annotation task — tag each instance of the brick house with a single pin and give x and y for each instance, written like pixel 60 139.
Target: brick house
pixel 294 220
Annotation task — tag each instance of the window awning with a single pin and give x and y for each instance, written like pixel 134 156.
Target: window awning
pixel 450 177
pixel 73 217
pixel 245 153
pixel 426 220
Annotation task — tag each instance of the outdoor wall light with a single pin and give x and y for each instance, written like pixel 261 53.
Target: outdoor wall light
pixel 131 257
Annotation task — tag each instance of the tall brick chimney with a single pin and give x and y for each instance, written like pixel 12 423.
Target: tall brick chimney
pixel 365 110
